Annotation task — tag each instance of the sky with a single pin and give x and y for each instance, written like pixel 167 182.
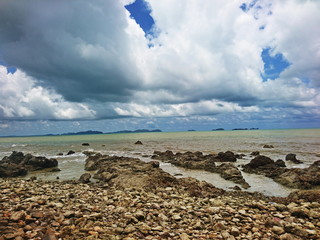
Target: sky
pixel 174 65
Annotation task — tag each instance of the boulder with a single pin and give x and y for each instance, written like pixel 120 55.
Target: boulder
pixel 18 164
pixel 12 170
pixel 85 178
pixel 292 157
pixel 230 172
pixel 227 156
pixel 38 163
pixel 280 163
pixel 71 152
pixel 259 161
pixel 307 195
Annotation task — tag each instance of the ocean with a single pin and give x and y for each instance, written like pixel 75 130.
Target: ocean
pixel 305 143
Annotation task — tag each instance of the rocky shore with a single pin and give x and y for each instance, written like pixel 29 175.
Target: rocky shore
pixel 131 199
pixel 73 210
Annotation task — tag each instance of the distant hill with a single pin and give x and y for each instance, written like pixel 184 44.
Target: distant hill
pixel 218 129
pixel 136 131
pixel 90 132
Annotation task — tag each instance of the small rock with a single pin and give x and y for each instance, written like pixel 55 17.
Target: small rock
pixel 85 144
pixel 71 152
pixel 268 146
pixel 176 217
pixel 16 216
pixel 85 178
pixel 138 143
pixel 235 231
pixel 278 230
pixel 184 236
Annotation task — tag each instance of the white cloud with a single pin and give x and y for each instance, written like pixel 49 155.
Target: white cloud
pixel 21 98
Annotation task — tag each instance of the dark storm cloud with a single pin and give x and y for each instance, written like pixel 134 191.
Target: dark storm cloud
pixel 80 48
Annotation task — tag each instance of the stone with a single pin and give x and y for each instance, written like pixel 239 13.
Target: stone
pixel 85 144
pixel 71 152
pixel 292 157
pixel 259 161
pixel 85 178
pixel 16 216
pixel 268 146
pixel 278 230
pixel 138 143
pixel 184 236
pixel 234 231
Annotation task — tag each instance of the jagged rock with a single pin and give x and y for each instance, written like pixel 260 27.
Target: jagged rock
pixel 259 161
pixel 304 178
pixel 12 170
pixel 230 172
pixel 292 157
pixel 37 163
pixel 18 164
pixel 138 143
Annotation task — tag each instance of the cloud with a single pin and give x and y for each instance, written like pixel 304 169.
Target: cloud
pixel 21 98
pixel 80 48
pixel 80 59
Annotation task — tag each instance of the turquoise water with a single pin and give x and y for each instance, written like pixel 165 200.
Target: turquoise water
pixel 305 143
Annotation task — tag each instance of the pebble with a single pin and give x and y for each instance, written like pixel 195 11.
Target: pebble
pixel 140 214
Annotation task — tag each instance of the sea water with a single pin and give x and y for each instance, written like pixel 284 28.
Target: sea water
pixel 304 143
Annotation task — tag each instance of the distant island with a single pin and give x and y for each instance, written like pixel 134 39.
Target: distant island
pixel 236 129
pixel 136 131
pixel 218 129
pixel 89 132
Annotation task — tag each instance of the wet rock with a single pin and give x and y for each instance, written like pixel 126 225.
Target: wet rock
pixel 307 195
pixel 138 143
pixel 227 156
pixel 85 178
pixel 12 170
pixel 155 164
pixel 259 161
pixel 280 163
pixel 292 157
pixel 230 172
pixel 85 144
pixel 304 178
pixel 268 146
pixel 18 164
pixel 55 169
pixel 71 152
pixel 256 153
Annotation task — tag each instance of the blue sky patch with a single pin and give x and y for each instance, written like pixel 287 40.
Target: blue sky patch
pixel 246 7
pixel 140 12
pixel 10 69
pixel 273 64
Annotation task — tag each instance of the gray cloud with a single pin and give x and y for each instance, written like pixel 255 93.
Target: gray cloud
pixel 80 48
